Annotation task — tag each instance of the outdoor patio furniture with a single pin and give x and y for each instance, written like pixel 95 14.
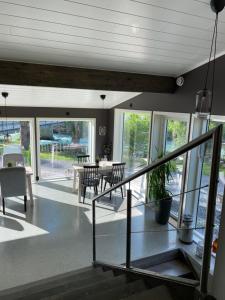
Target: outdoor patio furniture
pixel 116 176
pixel 90 178
pixel 13 159
pixel 83 158
pixel 12 148
pixel 13 183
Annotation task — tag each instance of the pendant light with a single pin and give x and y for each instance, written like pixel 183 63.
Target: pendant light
pixel 204 97
pixel 7 136
pixel 102 129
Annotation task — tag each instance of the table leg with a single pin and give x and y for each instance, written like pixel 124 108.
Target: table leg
pixel 74 180
pixel 29 186
pixel 124 190
pixel 1 203
pixel 79 189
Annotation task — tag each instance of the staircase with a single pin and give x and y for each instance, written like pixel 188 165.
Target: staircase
pixel 165 276
pixel 93 284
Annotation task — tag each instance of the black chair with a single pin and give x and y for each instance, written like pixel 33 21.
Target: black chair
pixel 116 176
pixel 90 178
pixel 103 174
pixel 83 158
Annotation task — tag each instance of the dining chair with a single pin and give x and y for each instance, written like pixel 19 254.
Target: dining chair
pixel 13 159
pixel 103 174
pixel 90 178
pixel 83 158
pixel 116 176
pixel 13 183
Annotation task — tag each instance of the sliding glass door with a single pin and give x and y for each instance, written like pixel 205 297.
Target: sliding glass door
pixel 205 180
pixel 135 142
pixel 175 137
pixel 169 132
pixel 131 145
pixel 60 141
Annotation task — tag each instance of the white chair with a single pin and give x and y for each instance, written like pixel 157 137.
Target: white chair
pixel 13 159
pixel 13 183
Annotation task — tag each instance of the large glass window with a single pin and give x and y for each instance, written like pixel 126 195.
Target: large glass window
pixel 60 143
pixel 135 147
pixel 15 137
pixel 205 178
pixel 135 139
pixel 176 136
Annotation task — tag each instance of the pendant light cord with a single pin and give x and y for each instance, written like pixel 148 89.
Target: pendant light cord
pixel 6 119
pixel 214 65
pixel 211 50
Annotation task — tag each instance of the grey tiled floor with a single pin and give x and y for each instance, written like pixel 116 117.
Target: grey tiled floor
pixel 55 236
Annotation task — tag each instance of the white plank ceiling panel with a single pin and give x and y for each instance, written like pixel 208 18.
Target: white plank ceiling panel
pixel 61 97
pixel 144 36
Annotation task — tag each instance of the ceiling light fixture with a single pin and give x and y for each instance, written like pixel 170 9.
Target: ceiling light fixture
pixel 103 100
pixel 102 129
pixel 204 97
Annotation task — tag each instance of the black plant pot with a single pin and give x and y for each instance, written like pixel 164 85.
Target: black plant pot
pixel 162 213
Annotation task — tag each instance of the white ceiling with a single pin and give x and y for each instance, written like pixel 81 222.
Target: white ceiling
pixel 60 97
pixel 166 37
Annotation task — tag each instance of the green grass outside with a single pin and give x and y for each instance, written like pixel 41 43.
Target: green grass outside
pixel 57 156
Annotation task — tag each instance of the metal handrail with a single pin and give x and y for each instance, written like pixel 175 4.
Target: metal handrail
pixel 187 147
pixel 216 136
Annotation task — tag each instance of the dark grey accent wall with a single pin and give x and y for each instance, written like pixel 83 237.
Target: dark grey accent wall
pixel 101 116
pixel 183 100
pixel 111 126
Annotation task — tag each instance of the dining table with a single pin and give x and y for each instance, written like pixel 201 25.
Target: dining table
pixel 104 167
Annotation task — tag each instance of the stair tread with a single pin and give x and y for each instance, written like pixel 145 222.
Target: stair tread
pixel 159 293
pixel 119 292
pixel 61 282
pixel 92 287
pixel 173 268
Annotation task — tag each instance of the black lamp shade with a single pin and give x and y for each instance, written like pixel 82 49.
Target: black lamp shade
pixel 217 5
pixel 203 103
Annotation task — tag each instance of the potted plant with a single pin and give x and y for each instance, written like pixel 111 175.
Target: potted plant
pixel 107 149
pixel 97 160
pixel 158 192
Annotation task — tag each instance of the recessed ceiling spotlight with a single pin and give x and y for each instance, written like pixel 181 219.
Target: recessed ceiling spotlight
pixel 134 28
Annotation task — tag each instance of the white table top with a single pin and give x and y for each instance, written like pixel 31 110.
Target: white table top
pixel 103 164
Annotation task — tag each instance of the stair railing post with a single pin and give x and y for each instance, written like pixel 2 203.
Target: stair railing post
pixel 93 231
pixel 128 236
pixel 217 140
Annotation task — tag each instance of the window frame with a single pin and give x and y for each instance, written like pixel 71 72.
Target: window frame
pixel 92 142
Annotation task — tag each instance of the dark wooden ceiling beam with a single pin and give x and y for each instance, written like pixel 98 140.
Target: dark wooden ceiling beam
pixel 17 73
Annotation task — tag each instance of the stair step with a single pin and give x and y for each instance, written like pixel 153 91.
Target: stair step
pixel 119 292
pixel 85 291
pixel 59 283
pixel 159 293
